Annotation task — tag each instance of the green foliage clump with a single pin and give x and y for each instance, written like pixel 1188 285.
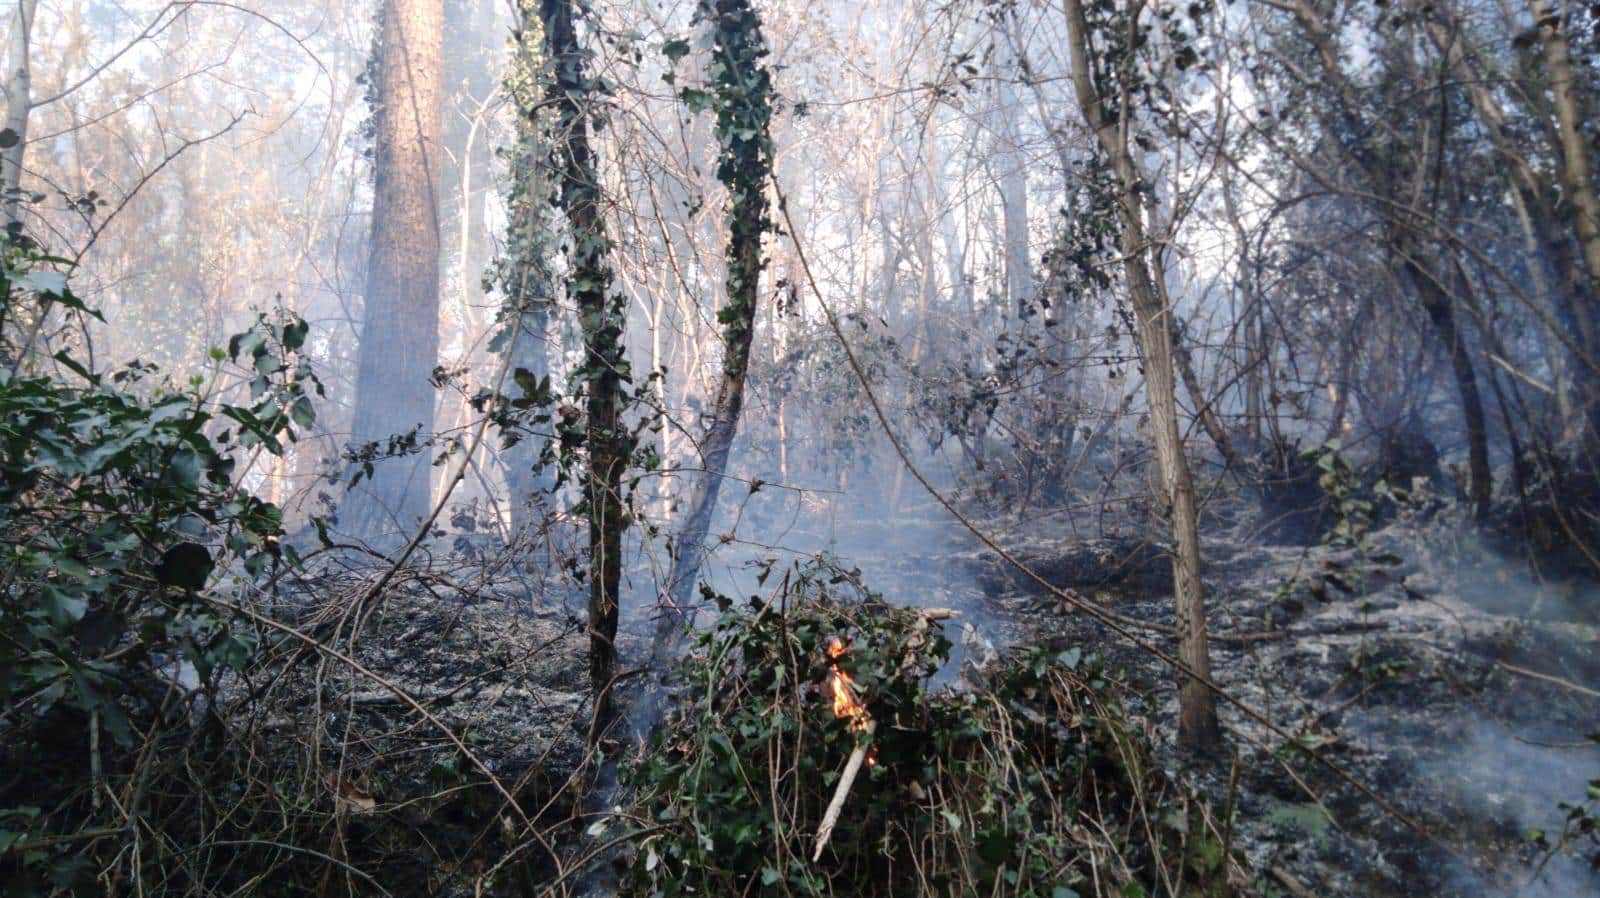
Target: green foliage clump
pixel 121 509
pixel 1033 782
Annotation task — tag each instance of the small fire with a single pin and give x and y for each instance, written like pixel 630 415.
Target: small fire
pixel 845 704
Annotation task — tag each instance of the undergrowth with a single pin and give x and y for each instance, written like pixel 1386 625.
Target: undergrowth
pixel 1035 781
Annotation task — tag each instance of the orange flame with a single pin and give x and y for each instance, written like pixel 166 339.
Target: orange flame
pixel 845 704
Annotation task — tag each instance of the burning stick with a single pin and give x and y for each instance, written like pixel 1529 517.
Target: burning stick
pixel 845 707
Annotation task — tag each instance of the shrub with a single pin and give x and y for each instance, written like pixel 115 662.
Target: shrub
pixel 1034 782
pixel 121 509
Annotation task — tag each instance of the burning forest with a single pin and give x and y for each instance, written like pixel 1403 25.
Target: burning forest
pixel 928 448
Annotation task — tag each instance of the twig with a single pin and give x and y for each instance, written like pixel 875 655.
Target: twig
pixel 1295 886
pixel 852 767
pixel 1549 678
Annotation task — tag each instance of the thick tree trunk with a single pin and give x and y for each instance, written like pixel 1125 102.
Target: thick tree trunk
pixel 745 89
pixel 400 321
pixel 605 369
pixel 19 103
pixel 1197 722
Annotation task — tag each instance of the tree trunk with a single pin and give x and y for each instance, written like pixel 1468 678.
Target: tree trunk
pixel 1576 176
pixel 19 102
pixel 601 313
pixel 400 320
pixel 1013 196
pixel 1577 180
pixel 744 89
pixel 1197 722
pixel 1441 313
pixel 1569 294
pixel 524 274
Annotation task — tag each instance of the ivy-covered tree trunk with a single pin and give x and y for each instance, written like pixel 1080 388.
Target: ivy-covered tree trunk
pixel 523 272
pixel 604 371
pixel 1197 712
pixel 400 320
pixel 742 95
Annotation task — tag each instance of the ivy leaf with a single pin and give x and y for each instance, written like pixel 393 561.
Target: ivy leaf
pixel 63 608
pixel 302 412
pixel 52 283
pixel 696 99
pixel 186 469
pixel 675 49
pixel 294 333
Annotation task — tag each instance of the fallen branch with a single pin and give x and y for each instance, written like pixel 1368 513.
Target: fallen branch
pixel 852 768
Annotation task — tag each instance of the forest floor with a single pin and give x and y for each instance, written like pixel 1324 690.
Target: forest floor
pixel 1442 680
pixel 1424 675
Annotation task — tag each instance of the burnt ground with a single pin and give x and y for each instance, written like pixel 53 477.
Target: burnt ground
pixel 1402 673
pixel 497 659
pixel 1418 674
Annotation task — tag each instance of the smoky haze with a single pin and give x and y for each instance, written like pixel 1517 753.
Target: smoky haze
pixel 1270 317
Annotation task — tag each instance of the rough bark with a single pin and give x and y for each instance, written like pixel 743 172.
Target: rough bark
pixel 746 160
pixel 1197 722
pixel 19 102
pixel 400 320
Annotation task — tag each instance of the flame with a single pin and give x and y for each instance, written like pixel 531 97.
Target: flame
pixel 845 704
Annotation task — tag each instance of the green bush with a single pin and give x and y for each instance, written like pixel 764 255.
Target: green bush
pixel 1033 782
pixel 121 511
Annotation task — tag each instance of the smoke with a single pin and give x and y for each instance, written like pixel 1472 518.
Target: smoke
pixel 1511 782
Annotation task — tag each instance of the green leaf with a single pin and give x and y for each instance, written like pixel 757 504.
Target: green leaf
pixel 769 876
pixel 52 283
pixel 675 49
pixel 302 412
pixel 697 100
pixel 294 333
pixel 186 468
pixel 63 608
